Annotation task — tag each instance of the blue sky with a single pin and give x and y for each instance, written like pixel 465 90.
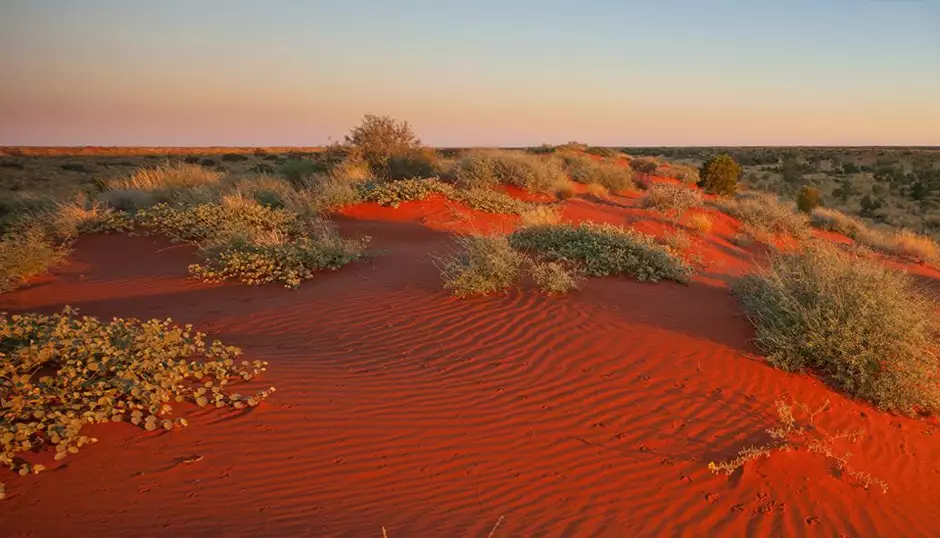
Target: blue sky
pixel 241 72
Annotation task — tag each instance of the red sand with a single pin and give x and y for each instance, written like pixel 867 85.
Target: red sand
pixel 594 414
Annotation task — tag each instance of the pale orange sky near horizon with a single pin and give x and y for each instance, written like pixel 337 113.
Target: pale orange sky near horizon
pixel 139 74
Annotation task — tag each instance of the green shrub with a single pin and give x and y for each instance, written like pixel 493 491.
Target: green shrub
pixel 297 171
pixel 27 251
pixel 413 163
pixel 603 249
pixel 611 176
pixel 483 265
pixel 765 213
pixel 487 168
pixel 719 175
pixel 489 201
pixel 672 200
pixel 857 324
pixel 808 199
pixel 393 193
pixel 241 239
pixel 61 372
pixel 377 139
pixel 644 165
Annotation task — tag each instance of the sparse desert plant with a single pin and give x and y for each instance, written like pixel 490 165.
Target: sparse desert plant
pixel 808 199
pixel 792 434
pixel 563 190
pixel 327 192
pixel 553 277
pixel 489 201
pixel 487 168
pixel 912 245
pixel 27 251
pixel 644 165
pixel 612 176
pixel 700 222
pixel 128 200
pixel 719 175
pixel 297 171
pixel 393 193
pixel 679 241
pixel 266 190
pixel 836 221
pixel 61 372
pixel 903 243
pixel 682 172
pixel 168 177
pixel 481 265
pixel 78 216
pixel 244 240
pixel 601 250
pixel 859 325
pixel 596 189
pixel 608 153
pixel 377 139
pixel 540 215
pixel 672 200
pixel 418 162
pixel 766 214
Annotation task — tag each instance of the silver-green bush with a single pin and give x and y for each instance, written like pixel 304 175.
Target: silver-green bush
pixel 859 325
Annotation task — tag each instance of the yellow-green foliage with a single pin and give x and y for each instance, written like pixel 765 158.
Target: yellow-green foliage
pixel 27 251
pixel 241 239
pixel 603 249
pixel 700 222
pixel 902 242
pixel 672 200
pixel 61 372
pixel 481 265
pixel 766 214
pixel 859 325
pixel 610 175
pixel 489 201
pixel 487 168
pixel 393 193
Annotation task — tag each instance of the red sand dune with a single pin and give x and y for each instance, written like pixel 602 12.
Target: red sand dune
pixel 594 414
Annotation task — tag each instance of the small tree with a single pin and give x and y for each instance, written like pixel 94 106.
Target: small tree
pixel 379 138
pixel 720 175
pixel 808 199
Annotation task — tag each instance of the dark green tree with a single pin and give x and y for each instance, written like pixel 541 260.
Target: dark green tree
pixel 720 175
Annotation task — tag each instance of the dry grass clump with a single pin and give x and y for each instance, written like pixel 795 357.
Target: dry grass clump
pixel 903 243
pixel 67 220
pixel 766 214
pixel 700 222
pixel 267 190
pixel 481 265
pixel 540 215
pixel 553 277
pixel 792 435
pixel 488 168
pixel 611 176
pixel 682 172
pixel 244 240
pixel 61 372
pixel 672 200
pixel 602 249
pixel 27 251
pixel 596 189
pixel 857 324
pixel 327 193
pixel 169 176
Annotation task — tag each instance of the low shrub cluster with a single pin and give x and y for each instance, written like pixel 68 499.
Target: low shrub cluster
pixel 766 214
pixel 490 201
pixel 393 193
pixel 242 239
pixel 612 176
pixel 26 252
pixel 488 168
pixel 60 372
pixel 602 249
pixel 682 172
pixel 857 324
pixel 672 200
pixel 486 265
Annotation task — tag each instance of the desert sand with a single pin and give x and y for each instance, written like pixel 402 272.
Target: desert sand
pixel 398 406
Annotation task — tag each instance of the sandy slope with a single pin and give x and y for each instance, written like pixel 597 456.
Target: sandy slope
pixel 594 414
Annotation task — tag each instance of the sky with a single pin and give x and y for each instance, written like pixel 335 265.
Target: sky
pixel 470 73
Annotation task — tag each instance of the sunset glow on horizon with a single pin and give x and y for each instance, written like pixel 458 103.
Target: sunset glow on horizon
pixel 285 73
